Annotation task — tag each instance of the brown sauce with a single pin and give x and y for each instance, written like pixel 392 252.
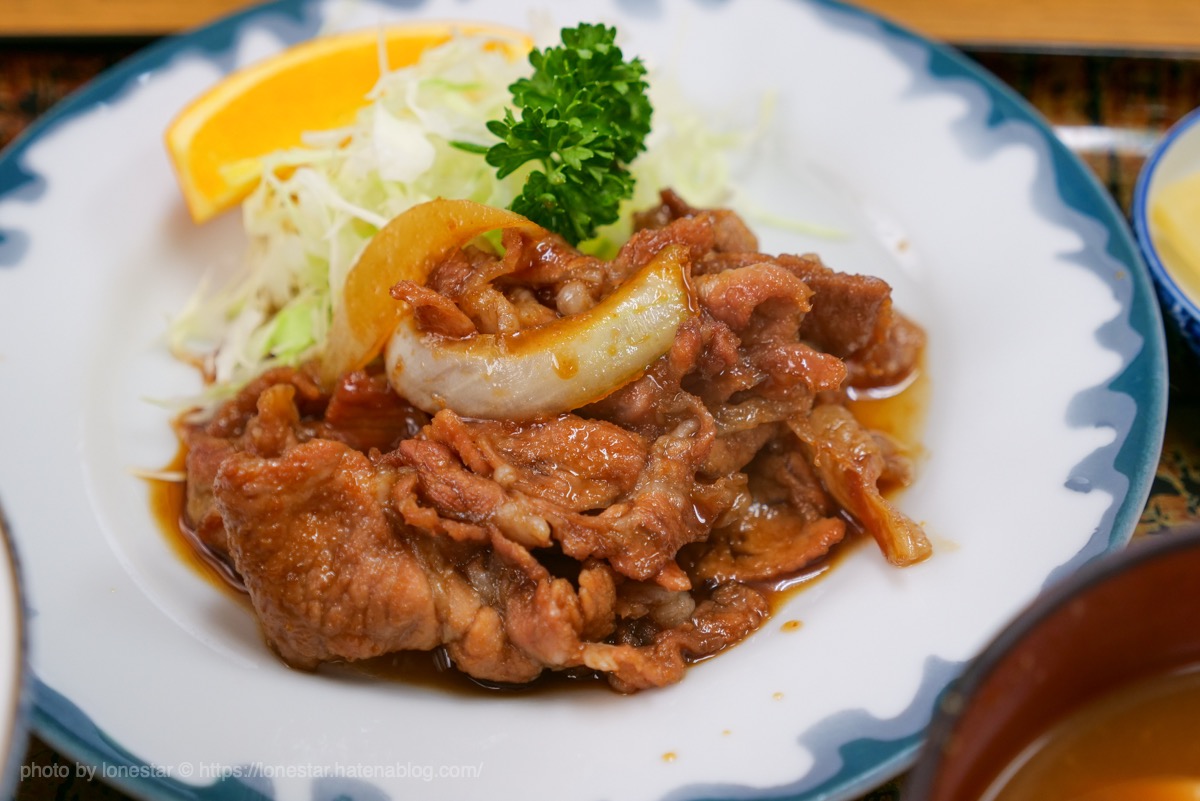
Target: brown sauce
pixel 782 590
pixel 432 670
pixel 899 415
pixel 565 365
pixel 167 501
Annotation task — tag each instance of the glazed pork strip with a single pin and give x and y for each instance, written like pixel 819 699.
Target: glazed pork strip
pixel 630 537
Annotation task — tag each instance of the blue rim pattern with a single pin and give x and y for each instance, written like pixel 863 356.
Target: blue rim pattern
pixel 1183 310
pixel 291 17
pixel 865 763
pixel 1144 378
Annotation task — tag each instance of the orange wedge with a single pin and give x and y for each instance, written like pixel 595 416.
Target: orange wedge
pixel 216 142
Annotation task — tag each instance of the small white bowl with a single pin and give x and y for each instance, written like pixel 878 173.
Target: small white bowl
pixel 14 695
pixel 1176 157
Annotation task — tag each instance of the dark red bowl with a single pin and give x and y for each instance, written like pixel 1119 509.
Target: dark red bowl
pixel 1125 616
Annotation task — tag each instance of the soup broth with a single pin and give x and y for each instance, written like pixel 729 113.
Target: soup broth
pixel 1147 730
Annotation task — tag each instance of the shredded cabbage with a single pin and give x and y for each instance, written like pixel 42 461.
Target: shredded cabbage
pixel 318 205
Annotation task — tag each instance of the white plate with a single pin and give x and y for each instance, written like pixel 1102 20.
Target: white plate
pixel 1044 425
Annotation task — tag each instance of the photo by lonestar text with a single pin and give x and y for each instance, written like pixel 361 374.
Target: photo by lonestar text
pixel 205 771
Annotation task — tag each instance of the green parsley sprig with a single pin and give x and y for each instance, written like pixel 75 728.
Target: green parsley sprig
pixel 583 117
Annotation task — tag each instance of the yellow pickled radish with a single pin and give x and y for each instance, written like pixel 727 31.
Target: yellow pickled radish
pixel 1175 226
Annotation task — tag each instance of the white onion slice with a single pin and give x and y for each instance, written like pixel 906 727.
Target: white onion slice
pixel 553 368
pixel 405 249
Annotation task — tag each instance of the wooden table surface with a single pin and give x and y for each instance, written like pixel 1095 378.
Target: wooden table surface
pixel 1122 79
pixel 1150 25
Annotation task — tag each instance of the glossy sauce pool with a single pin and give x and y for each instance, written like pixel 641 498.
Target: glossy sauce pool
pixel 898 415
pixel 167 501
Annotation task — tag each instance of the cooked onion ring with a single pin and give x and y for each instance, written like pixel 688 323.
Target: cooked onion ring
pixel 407 248
pixel 551 368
